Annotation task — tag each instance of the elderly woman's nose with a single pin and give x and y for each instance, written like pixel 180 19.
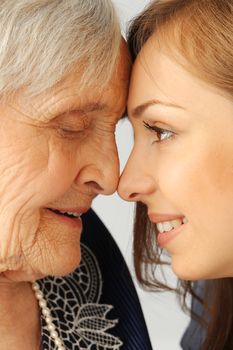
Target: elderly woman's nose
pixel 101 175
pixel 134 183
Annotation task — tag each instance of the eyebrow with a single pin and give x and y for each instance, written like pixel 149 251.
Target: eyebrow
pixel 96 107
pixel 137 111
pixel 81 109
pixel 90 107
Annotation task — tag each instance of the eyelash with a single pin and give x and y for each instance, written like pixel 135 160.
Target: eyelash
pixel 72 132
pixel 160 132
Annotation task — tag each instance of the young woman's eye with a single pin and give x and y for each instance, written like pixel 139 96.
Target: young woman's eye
pixel 162 134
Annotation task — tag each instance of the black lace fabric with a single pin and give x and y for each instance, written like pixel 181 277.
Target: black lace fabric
pixel 80 320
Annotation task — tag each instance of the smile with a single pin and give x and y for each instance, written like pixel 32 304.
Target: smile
pixel 168 226
pixel 69 214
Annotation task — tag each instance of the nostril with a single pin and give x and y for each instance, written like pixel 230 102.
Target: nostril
pixel 133 195
pixel 94 185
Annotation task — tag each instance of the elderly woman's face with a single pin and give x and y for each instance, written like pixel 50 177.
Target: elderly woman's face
pixel 57 153
pixel 181 166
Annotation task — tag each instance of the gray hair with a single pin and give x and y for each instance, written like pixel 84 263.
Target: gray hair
pixel 41 41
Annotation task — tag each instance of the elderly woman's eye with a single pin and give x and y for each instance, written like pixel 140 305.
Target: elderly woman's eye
pixel 70 132
pixel 71 127
pixel 161 133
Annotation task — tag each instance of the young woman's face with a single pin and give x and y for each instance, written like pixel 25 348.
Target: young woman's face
pixel 181 165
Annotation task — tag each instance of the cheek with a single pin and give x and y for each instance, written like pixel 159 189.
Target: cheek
pixel 201 188
pixel 192 177
pixel 63 161
pixel 34 168
pixel 22 161
pixel 179 181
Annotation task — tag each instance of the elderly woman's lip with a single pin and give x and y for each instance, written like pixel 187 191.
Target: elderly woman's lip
pixel 71 213
pixel 76 210
pixel 72 219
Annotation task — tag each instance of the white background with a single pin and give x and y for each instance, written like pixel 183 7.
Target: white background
pixel 165 320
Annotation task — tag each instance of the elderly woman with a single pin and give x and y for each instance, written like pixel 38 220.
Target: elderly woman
pixel 63 84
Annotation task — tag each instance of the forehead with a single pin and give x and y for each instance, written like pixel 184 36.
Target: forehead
pixel 157 76
pixel 69 94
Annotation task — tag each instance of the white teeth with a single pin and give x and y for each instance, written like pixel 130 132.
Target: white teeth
pixel 160 227
pixel 167 226
pixel 70 213
pixel 176 223
pixel 77 215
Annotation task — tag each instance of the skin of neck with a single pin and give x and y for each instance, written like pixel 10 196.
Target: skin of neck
pixel 20 316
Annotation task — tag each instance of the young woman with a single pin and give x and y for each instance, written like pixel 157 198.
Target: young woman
pixel 181 167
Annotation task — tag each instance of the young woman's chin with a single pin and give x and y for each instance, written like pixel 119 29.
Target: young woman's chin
pixel 183 272
pixel 192 271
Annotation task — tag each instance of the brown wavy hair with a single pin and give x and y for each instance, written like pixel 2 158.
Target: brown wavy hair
pixel 198 34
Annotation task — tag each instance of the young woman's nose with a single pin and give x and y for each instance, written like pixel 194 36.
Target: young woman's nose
pixel 135 183
pixel 100 175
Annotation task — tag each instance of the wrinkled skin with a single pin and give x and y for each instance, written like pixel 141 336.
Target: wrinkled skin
pixel 186 169
pixel 55 153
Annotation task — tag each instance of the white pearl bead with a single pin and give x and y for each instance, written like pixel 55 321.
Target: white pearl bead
pixel 42 303
pixel 48 320
pixel 58 342
pixel 51 327
pixel 54 334
pixel 46 311
pixel 39 295
pixel 35 286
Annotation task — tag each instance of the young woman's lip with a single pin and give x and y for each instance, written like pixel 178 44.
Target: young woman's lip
pixel 166 237
pixel 156 218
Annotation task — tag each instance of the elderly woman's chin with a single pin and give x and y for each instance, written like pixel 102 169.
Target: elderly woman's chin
pixel 54 249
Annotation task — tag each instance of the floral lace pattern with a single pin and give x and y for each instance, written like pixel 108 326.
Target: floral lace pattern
pixel 80 320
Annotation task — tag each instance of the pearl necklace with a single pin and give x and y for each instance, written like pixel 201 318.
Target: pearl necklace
pixel 47 315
